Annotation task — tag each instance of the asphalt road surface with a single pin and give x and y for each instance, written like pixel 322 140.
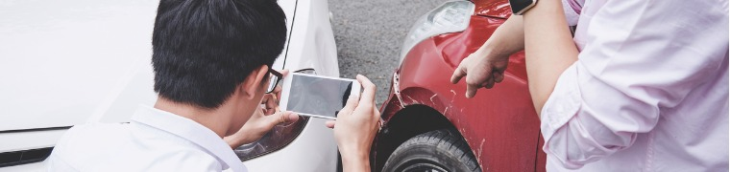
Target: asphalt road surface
pixel 369 36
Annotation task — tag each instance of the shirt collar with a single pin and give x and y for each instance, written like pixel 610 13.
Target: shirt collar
pixel 192 131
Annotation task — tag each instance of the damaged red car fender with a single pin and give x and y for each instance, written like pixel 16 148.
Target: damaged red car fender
pixel 499 124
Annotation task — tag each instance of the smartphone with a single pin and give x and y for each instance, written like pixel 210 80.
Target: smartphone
pixel 317 96
pixel 519 7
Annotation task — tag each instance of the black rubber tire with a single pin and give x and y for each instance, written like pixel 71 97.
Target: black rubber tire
pixel 442 150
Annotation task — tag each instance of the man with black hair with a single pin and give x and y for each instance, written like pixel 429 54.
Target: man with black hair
pixel 212 62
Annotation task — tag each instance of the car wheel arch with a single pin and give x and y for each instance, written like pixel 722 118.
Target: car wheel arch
pixel 408 122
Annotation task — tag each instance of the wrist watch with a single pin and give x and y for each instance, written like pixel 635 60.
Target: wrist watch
pixel 519 7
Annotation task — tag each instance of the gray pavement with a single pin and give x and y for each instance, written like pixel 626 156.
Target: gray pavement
pixel 369 36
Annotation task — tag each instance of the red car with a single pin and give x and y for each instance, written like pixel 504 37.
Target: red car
pixel 429 123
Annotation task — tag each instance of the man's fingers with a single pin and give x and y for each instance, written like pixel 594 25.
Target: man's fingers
pixel 471 91
pixel 272 102
pixel 350 106
pixel 330 124
pixel 293 117
pixel 474 82
pixel 490 83
pixel 282 118
pixel 498 76
pixel 458 74
pixel 277 90
pixel 368 95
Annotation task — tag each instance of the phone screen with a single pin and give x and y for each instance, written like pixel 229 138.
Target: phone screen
pixel 317 95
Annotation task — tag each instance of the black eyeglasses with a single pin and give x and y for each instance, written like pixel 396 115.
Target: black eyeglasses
pixel 274 79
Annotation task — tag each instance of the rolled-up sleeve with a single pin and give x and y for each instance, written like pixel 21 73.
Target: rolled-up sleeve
pixel 639 58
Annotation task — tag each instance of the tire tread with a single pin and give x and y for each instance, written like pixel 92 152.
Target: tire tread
pixel 446 140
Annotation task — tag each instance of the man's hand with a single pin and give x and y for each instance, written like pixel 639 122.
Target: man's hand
pixel 271 100
pixel 263 119
pixel 356 126
pixel 482 69
pixel 486 66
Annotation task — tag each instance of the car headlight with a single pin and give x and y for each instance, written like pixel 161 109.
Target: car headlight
pixel 278 138
pixel 450 17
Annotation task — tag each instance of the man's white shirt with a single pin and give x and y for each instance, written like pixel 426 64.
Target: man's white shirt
pixel 154 140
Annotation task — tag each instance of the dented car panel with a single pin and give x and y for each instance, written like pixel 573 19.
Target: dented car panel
pixel 499 124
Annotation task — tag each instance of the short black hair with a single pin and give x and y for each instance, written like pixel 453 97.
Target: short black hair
pixel 203 49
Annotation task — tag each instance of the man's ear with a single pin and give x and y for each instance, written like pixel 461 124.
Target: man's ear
pixel 250 87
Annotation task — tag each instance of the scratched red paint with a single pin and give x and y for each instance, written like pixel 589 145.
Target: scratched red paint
pixel 493 8
pixel 499 124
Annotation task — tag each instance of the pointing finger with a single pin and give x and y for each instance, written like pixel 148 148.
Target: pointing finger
pixel 458 74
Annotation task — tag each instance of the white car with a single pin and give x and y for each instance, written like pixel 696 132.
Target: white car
pixel 64 63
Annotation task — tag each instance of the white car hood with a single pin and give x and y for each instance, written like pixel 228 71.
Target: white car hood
pixel 68 62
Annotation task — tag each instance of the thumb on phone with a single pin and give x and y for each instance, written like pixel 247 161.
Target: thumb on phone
pixel 347 110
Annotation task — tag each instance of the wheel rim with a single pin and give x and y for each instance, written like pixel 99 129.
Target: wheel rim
pixel 424 167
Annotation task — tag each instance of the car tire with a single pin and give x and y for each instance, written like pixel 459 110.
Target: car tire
pixel 440 150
